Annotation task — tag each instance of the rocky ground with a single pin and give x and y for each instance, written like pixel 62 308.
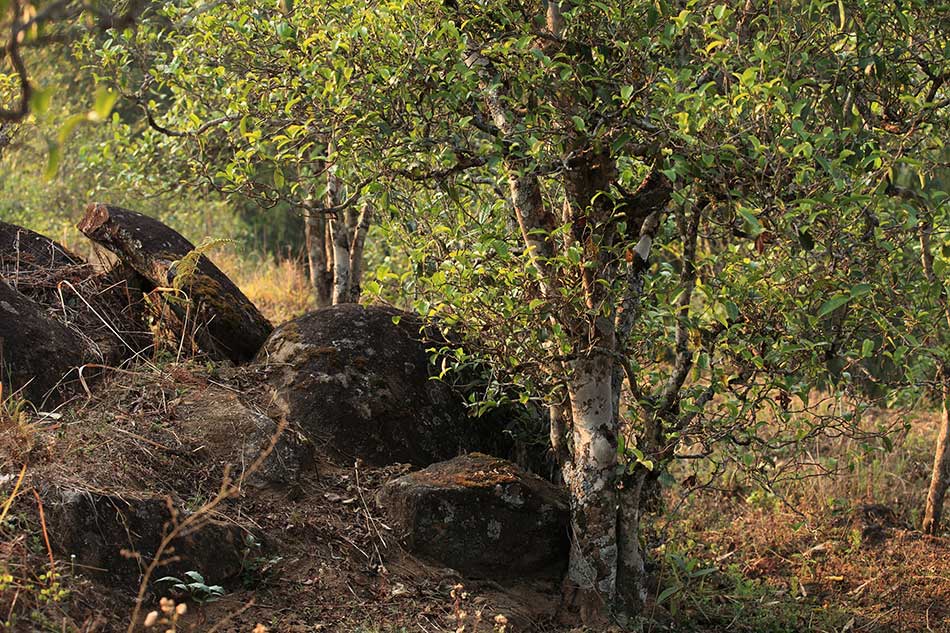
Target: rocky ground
pixel 330 483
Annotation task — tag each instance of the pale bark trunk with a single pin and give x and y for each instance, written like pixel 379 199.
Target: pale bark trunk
pixel 316 234
pixel 357 244
pixel 631 579
pixel 940 480
pixel 591 478
pixel 940 477
pixel 341 260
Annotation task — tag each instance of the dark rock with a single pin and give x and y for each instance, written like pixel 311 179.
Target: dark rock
pixel 876 522
pixel 96 527
pixel 24 252
pixel 105 309
pixel 229 432
pixel 224 323
pixel 360 385
pixel 38 354
pixel 481 515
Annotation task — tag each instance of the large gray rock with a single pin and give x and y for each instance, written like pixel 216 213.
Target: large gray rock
pixel 358 382
pixel 96 527
pixel 481 515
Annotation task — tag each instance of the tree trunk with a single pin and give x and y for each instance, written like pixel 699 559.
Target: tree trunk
pixel 341 259
pixel 357 245
pixel 631 579
pixel 591 479
pixel 315 230
pixel 228 324
pixel 940 479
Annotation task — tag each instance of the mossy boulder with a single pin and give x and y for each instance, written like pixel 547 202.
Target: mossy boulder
pixel 358 382
pixel 481 515
pixel 39 355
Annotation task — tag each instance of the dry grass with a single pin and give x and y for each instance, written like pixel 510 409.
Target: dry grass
pixel 280 290
pixel 829 553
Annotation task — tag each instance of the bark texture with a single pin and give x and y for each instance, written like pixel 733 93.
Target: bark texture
pixel 940 479
pixel 225 323
pixel 591 479
pixel 315 227
pixel 336 236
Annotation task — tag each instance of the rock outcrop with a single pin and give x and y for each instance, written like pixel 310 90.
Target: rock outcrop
pixel 223 321
pixel 102 530
pixel 481 515
pixel 39 356
pixel 359 383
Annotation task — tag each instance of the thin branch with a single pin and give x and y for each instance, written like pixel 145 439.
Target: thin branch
pixel 684 355
pixel 201 129
pixel 13 52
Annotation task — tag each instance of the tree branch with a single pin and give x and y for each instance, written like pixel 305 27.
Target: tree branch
pixel 13 52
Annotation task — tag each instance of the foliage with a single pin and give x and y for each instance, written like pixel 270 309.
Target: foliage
pixel 194 587
pixel 705 194
pixel 728 208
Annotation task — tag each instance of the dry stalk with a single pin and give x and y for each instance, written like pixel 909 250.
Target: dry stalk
pixel 198 519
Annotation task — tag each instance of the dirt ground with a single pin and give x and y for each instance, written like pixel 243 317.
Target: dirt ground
pixel 822 555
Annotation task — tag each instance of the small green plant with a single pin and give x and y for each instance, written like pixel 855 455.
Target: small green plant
pixel 684 572
pixel 195 586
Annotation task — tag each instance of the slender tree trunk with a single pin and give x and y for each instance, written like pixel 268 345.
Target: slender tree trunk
pixel 591 479
pixel 940 479
pixel 357 244
pixel 631 579
pixel 341 259
pixel 315 231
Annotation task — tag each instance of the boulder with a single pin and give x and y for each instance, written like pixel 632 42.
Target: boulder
pixel 39 355
pixel 96 527
pixel 358 381
pixel 481 515
pixel 105 310
pixel 220 318
pixel 228 432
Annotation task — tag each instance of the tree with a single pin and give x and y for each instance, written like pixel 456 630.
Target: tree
pixel 244 106
pixel 700 194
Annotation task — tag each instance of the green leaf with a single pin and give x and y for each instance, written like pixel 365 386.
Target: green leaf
pixel 102 108
pixel 732 310
pixel 833 304
pixel 54 156
pixel 579 123
pixel 666 593
pixel 867 348
pixel 40 99
pixel 68 126
pixel 753 226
